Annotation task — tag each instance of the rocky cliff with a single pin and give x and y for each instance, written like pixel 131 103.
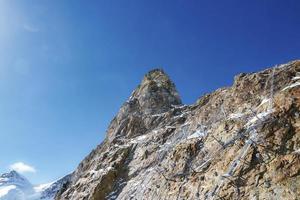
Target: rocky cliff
pixel 239 142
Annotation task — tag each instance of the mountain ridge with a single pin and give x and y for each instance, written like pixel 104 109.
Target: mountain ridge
pixel 230 144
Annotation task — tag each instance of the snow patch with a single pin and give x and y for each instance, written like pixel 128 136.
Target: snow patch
pixel 264 101
pixel 259 116
pixel 197 134
pixel 296 78
pixel 296 151
pixel 138 139
pixel 42 187
pixel 159 114
pixel 291 86
pixel 236 115
pixel 283 65
pixel 5 190
pixel 179 106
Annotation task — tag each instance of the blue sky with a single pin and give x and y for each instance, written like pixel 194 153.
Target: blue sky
pixel 66 67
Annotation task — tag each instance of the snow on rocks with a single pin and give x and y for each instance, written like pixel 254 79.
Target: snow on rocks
pixel 259 117
pixel 291 86
pixel 297 152
pixel 295 84
pixel 236 115
pixel 139 139
pixel 197 134
pixel 264 101
pixel 296 78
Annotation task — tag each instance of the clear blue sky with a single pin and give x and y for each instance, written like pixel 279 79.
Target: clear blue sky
pixel 67 66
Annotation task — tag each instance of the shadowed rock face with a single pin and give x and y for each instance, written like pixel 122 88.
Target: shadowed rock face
pixel 239 142
pixel 156 93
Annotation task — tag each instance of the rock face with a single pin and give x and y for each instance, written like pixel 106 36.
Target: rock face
pixel 239 142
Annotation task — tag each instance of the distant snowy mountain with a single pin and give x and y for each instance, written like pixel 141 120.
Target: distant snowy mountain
pixel 14 186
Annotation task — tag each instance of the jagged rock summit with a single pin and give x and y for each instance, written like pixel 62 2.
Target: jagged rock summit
pixel 156 93
pixel 239 142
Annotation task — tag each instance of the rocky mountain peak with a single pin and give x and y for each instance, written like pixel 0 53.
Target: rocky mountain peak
pixel 10 174
pixel 156 93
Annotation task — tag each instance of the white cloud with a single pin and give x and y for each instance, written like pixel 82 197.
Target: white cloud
pixel 30 28
pixel 22 167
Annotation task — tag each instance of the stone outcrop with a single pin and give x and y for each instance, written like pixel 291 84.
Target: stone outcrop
pixel 239 142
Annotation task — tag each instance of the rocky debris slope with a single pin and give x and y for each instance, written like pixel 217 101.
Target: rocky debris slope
pixel 239 142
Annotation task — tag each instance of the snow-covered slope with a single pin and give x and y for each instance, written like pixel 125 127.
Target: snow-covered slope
pixel 48 191
pixel 14 186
